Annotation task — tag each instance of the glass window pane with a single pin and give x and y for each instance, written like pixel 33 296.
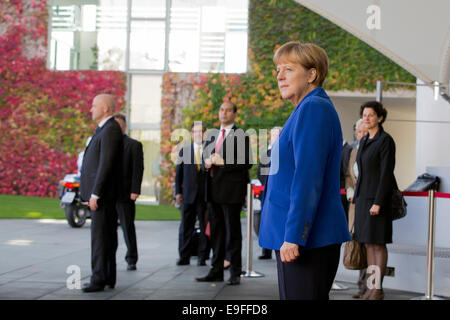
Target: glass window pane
pixel 147 45
pixel 208 36
pixel 111 35
pixel 89 36
pixel 62 50
pixel 151 143
pixel 145 102
pixel 236 52
pixel 148 9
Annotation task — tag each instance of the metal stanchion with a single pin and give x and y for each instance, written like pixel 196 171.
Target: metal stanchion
pixel 430 249
pixel 249 273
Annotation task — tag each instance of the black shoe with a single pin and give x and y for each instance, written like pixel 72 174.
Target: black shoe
pixel 234 281
pixel 89 287
pixel 211 277
pixel 131 267
pixel 182 262
pixel 111 286
pixel 264 257
pixel 201 263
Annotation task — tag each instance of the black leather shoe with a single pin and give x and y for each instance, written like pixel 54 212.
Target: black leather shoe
pixel 234 281
pixel 210 278
pixel 182 262
pixel 264 257
pixel 201 263
pixel 131 267
pixel 90 287
pixel 110 285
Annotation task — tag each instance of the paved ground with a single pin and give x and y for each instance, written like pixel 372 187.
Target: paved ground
pixel 35 256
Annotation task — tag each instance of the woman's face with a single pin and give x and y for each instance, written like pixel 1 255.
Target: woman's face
pixel 370 118
pixel 294 80
pixel 361 131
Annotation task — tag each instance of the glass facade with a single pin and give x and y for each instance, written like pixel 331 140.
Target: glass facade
pixel 145 38
pixel 203 36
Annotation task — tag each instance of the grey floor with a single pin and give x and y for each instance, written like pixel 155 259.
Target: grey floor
pixel 37 254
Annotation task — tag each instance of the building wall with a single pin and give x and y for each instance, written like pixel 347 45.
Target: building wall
pixel 433 130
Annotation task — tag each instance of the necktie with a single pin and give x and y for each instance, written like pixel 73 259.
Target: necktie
pixel 197 158
pixel 220 141
pixel 218 147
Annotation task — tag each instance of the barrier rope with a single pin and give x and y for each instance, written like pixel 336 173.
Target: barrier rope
pixel 258 189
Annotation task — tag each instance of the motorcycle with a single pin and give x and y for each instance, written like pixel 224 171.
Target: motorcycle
pixel 69 194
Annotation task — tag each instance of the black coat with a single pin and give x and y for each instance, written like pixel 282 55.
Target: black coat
pixel 262 174
pixel 189 181
pixel 101 171
pixel 228 184
pixel 133 167
pixel 376 181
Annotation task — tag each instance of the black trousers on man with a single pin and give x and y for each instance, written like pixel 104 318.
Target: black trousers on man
pixel 104 243
pixel 189 213
pixel 310 276
pixel 127 212
pixel 226 218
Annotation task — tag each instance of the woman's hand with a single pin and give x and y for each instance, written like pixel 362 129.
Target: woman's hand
pixel 374 210
pixel 289 252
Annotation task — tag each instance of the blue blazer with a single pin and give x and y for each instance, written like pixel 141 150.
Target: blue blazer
pixel 302 202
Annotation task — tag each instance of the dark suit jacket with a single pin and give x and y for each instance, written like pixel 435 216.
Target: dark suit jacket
pixel 133 167
pixel 229 183
pixel 188 180
pixel 101 171
pixel 261 175
pixel 376 162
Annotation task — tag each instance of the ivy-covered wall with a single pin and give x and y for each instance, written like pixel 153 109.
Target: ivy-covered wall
pixel 353 66
pixel 44 115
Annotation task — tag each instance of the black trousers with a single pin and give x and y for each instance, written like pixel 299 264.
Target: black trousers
pixel 189 213
pixel 310 276
pixel 104 243
pixel 127 212
pixel 225 218
pixel 256 224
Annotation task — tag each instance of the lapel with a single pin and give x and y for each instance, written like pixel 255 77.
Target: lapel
pixel 192 154
pixel 362 144
pixel 96 133
pixel 375 138
pixel 98 130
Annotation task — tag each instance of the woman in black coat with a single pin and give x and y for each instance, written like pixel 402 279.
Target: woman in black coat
pixel 373 194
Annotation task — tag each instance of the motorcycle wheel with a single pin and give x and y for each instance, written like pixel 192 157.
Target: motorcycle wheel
pixel 76 215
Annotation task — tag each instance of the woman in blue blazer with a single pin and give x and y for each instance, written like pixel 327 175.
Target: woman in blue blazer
pixel 302 218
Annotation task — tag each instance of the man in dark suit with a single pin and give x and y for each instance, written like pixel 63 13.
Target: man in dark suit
pixel 101 176
pixel 190 193
pixel 133 169
pixel 228 163
pixel 262 173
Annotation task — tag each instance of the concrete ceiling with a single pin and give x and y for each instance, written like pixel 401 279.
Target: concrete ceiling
pixel 413 33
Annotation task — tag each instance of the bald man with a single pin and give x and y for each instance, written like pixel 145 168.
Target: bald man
pixel 101 175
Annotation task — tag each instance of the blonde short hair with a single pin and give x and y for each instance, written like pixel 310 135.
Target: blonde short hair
pixel 308 55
